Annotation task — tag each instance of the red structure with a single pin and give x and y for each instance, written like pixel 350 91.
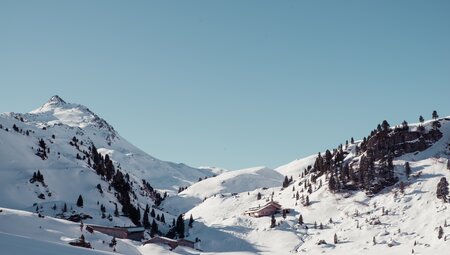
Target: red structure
pixel 133 233
pixel 171 242
pixel 266 210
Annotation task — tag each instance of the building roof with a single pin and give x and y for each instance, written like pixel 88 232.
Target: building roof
pixel 135 229
pixel 129 229
pixel 256 209
pixel 163 238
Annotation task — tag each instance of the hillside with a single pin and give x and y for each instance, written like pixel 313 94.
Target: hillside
pixel 232 182
pixel 360 191
pixel 390 222
pixel 58 140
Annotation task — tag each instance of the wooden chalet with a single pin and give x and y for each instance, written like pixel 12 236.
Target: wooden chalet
pixel 171 242
pixel 133 233
pixel 266 210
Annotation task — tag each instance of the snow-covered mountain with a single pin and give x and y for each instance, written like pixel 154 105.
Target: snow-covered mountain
pixel 65 121
pixel 355 199
pixel 56 139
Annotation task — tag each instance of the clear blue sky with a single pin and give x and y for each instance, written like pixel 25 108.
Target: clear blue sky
pixel 230 83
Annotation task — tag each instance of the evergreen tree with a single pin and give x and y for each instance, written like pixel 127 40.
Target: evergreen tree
pixel 80 201
pixel 152 213
pixel 440 232
pixel 145 220
pixel 285 182
pixel 180 226
pixel 163 220
pixel 405 125
pixel 39 176
pixel 284 214
pixel 434 115
pixel 307 201
pixel 300 220
pixel 379 129
pixel 258 196
pixel 116 211
pixel 42 144
pixel 352 141
pixel 99 188
pixel 421 120
pixel 407 169
pixel 385 125
pixel 273 222
pixel 442 189
pixel 191 221
pixel 64 208
pixel 335 239
pixel 154 229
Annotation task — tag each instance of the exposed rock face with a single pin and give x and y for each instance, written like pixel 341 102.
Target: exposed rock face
pixel 370 166
pixel 399 142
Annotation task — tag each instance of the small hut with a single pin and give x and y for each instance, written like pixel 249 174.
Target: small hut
pixel 266 210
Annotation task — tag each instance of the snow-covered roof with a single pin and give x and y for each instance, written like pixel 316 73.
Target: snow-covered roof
pixel 164 238
pixel 134 229
pixel 256 209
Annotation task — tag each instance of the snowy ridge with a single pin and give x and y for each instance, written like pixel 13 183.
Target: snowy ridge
pixel 295 167
pixel 57 112
pixel 230 182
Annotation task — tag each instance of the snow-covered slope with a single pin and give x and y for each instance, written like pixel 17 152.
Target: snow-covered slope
pixel 230 182
pixel 390 222
pixel 387 222
pixel 297 166
pixel 413 217
pixel 57 124
pixel 38 235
